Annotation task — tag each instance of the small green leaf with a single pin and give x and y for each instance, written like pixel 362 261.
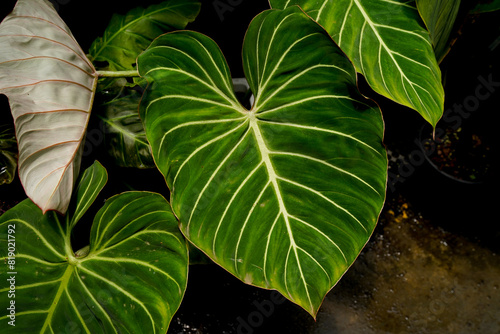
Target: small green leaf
pixel 8 153
pixel 439 17
pixel 128 35
pixel 388 44
pixel 91 183
pixel 124 133
pixel 131 279
pixel 284 195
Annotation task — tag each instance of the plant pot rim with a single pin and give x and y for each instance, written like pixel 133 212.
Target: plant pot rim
pixel 421 139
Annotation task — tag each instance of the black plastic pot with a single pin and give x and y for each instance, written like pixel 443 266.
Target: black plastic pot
pixel 461 155
pixel 455 203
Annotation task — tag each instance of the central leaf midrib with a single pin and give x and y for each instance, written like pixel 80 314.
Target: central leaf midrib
pixel 390 53
pixel 274 181
pixel 267 162
pixel 64 284
pixel 375 31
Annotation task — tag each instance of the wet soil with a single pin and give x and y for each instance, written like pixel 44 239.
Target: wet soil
pixel 412 277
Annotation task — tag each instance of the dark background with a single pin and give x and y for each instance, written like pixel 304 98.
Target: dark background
pixel 214 299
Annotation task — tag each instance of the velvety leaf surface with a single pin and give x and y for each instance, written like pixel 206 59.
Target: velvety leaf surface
pixel 439 17
pixel 8 154
pixel 125 136
pixel 388 44
pixel 130 280
pixel 284 195
pixel 128 35
pixel 50 85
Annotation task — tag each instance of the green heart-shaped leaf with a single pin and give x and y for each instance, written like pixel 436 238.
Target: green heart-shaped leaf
pixel 388 44
pixel 284 195
pixel 131 279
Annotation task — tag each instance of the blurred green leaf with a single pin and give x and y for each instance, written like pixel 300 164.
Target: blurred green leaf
pixel 439 17
pixel 8 154
pixel 128 35
pixel 125 136
pixel 486 6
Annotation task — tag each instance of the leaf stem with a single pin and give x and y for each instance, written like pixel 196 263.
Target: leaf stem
pixel 117 74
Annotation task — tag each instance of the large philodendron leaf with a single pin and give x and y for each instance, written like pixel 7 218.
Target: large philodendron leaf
pixel 131 279
pixel 128 35
pixel 284 195
pixel 388 44
pixel 125 136
pixel 439 17
pixel 50 85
